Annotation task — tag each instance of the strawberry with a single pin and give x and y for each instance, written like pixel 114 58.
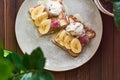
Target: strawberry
pixel 84 39
pixel 55 24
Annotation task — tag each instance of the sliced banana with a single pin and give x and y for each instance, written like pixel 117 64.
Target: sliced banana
pixel 76 46
pixel 30 10
pixel 62 36
pixel 67 41
pixel 57 38
pixel 37 11
pixel 45 26
pixel 41 17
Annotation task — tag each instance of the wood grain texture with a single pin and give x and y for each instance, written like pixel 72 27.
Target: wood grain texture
pixel 95 66
pixel 83 72
pixel 107 48
pixel 9 22
pixel 59 75
pixel 71 75
pixel 105 65
pixel 116 56
pixel 2 21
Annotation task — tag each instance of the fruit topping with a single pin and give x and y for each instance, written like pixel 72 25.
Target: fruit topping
pixel 76 46
pixel 41 17
pixel 67 41
pixel 36 11
pixel 55 23
pixel 44 26
pixel 61 37
pixel 84 39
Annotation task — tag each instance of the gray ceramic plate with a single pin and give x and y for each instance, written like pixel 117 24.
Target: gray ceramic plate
pixel 57 59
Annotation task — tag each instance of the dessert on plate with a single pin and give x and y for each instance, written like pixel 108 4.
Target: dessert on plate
pixel 49 16
pixel 74 37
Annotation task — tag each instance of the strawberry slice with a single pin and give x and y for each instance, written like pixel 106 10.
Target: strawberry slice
pixel 55 24
pixel 84 39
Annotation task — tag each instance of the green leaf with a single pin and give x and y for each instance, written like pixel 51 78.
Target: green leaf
pixel 1 53
pixel 112 0
pixel 34 61
pixel 34 64
pixel 37 53
pixel 116 11
pixel 27 76
pixel 1 50
pixel 38 60
pixel 17 77
pixel 115 0
pixel 46 75
pixel 16 60
pixel 35 76
pixel 30 76
pixel 5 69
pixel 6 53
pixel 1 45
pixel 27 61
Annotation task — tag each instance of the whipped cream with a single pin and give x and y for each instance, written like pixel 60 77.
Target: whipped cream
pixel 76 29
pixel 54 8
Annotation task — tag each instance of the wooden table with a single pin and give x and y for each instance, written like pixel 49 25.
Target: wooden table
pixel 105 65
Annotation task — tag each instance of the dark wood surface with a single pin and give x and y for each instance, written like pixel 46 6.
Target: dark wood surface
pixel 105 65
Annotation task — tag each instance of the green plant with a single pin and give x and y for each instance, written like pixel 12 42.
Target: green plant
pixel 26 67
pixel 116 12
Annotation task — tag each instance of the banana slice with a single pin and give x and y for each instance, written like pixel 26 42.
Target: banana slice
pixel 30 10
pixel 57 38
pixel 76 46
pixel 62 36
pixel 67 41
pixel 45 26
pixel 36 11
pixel 43 16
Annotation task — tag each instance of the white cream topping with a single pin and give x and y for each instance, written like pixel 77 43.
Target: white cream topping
pixel 76 29
pixel 54 8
